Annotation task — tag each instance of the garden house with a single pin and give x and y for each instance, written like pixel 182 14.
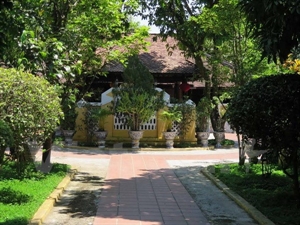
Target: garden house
pixel 173 73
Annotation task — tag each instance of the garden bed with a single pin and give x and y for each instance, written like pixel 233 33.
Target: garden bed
pixel 272 196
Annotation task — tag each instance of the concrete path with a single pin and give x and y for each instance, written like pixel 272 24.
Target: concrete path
pixel 79 201
pixel 145 188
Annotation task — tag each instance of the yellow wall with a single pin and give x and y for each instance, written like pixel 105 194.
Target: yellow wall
pixel 122 135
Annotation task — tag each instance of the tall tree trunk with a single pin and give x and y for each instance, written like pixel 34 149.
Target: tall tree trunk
pixel 47 145
pixel 203 75
pixel 217 122
pixel 241 150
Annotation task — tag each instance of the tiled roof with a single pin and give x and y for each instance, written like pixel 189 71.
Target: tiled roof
pixel 158 60
pixel 167 67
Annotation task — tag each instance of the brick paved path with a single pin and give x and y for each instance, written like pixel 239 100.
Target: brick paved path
pixel 142 189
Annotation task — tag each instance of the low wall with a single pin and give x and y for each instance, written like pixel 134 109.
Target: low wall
pixel 153 130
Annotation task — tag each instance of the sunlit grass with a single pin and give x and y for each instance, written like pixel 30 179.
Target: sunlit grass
pixel 272 196
pixel 21 194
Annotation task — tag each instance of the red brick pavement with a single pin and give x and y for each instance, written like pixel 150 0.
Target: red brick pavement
pixel 141 189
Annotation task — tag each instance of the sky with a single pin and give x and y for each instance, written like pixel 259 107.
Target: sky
pixel 153 29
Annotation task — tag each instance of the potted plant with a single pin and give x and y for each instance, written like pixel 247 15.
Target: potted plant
pixel 136 101
pixel 31 109
pixel 137 106
pixel 187 108
pixel 203 111
pixel 98 116
pixel 172 114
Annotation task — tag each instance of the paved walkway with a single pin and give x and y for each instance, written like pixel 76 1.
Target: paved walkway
pixel 142 188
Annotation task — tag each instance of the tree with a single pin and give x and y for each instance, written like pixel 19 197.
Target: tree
pixel 211 31
pixel 267 109
pixel 137 99
pixel 274 23
pixel 178 19
pixel 233 55
pixel 6 139
pixel 69 42
pixel 30 106
pixel 231 48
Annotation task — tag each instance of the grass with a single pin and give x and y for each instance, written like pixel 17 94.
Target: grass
pixel 21 194
pixel 272 196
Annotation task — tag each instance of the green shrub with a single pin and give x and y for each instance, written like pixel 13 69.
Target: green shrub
pixel 6 138
pixel 29 105
pixel 267 109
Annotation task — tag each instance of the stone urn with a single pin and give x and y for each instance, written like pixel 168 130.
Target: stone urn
pixel 202 138
pixel 135 138
pixel 219 136
pixel 170 136
pixel 34 147
pixel 68 134
pixel 101 136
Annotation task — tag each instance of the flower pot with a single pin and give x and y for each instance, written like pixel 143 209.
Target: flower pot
pixel 68 134
pixel 202 138
pixel 219 136
pixel 34 147
pixel 135 138
pixel 170 136
pixel 101 136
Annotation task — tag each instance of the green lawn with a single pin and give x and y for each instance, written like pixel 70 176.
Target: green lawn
pixel 22 194
pixel 272 196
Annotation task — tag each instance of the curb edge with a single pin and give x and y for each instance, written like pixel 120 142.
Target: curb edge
pixel 251 210
pixel 48 204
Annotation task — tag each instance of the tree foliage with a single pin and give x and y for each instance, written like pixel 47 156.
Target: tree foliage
pixel 68 42
pixel 275 23
pixel 6 138
pixel 137 99
pixel 215 35
pixel 267 109
pixel 29 105
pixel 178 19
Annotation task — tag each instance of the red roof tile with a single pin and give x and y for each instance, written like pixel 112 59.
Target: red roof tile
pixel 159 60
